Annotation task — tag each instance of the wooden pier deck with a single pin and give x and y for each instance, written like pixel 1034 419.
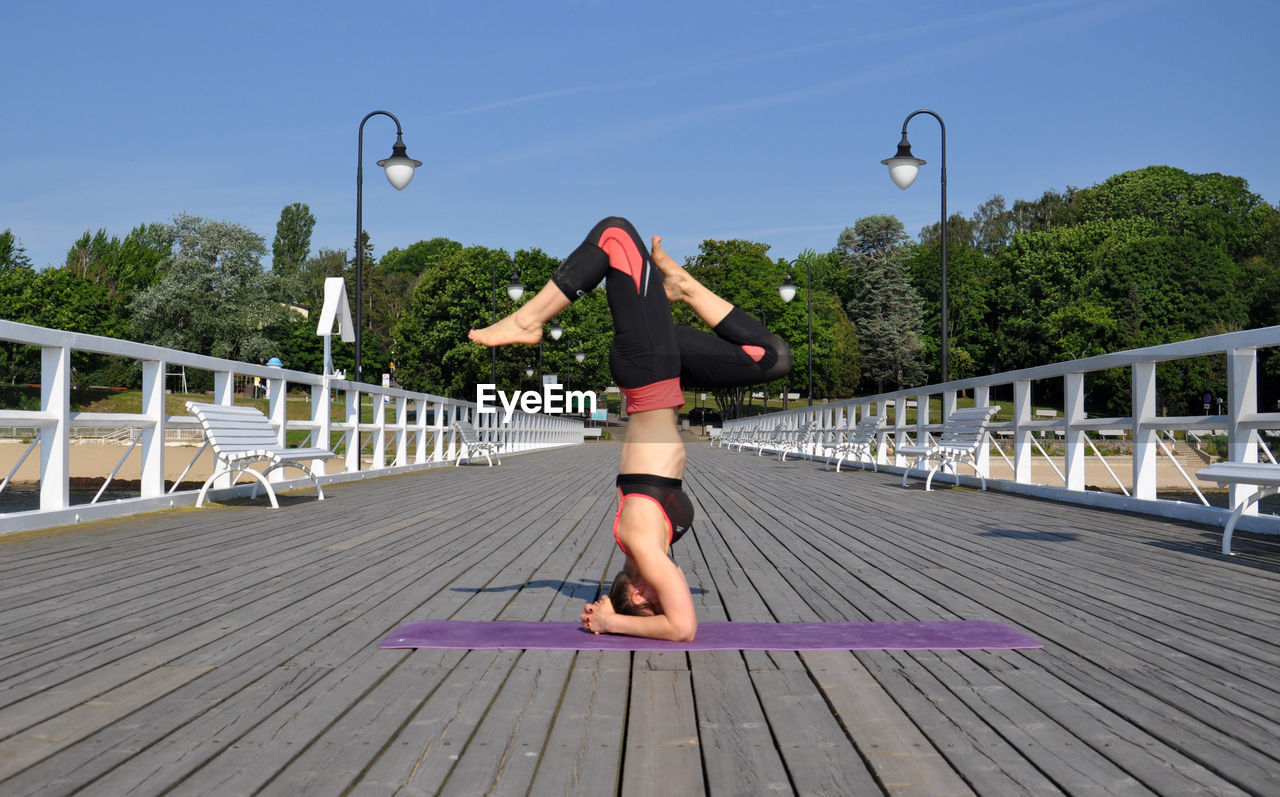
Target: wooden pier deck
pixel 232 650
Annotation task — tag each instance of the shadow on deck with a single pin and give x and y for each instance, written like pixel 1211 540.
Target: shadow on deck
pixel 233 650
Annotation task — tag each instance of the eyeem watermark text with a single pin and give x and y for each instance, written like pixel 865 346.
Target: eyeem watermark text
pixel 553 399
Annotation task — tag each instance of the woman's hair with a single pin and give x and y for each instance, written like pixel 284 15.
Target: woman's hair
pixel 620 597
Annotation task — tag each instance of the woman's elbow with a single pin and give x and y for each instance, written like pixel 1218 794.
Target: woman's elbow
pixel 685 632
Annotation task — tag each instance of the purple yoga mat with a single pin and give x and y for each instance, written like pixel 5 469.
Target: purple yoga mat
pixel 506 635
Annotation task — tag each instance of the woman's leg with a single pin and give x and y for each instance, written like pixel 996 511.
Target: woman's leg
pixel 741 352
pixel 645 356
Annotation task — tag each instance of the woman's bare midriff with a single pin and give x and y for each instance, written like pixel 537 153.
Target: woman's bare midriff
pixel 653 444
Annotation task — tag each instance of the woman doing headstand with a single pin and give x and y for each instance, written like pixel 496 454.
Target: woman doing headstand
pixel 650 359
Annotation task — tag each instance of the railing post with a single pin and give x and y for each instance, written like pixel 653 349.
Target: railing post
pixel 224 388
pixel 55 441
pixel 224 393
pixel 321 423
pixel 380 431
pixel 420 423
pixel 1074 438
pixel 277 411
pixel 1021 432
pixel 947 404
pixel 439 423
pixel 1242 402
pixel 982 398
pixel 1145 476
pixel 152 446
pixel 352 404
pixel 402 431
pixel 900 428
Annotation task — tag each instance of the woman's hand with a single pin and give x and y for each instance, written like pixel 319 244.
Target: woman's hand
pixel 597 616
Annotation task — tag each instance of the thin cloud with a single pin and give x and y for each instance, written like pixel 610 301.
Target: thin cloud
pixel 912 63
pixel 985 17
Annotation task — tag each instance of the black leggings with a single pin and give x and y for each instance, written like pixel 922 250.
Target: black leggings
pixel 651 358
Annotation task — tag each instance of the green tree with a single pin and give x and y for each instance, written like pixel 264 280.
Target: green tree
pixel 884 306
pixel 389 287
pixel 326 263
pixel 12 253
pixel 968 287
pixel 290 250
pixel 57 299
pixel 122 267
pixel 455 295
pixel 992 226
pixel 846 359
pixel 418 257
pixel 1051 210
pixel 214 297
pixel 742 273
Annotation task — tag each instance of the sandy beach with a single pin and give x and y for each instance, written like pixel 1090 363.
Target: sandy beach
pixel 95 461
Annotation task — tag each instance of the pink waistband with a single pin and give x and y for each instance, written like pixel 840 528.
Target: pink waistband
pixel 655 396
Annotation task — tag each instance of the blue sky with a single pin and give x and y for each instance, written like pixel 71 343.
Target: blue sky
pixel 757 119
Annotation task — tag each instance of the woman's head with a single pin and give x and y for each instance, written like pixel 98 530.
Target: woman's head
pixel 630 595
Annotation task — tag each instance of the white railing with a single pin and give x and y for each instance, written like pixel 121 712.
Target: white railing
pixel 1074 430
pixel 376 430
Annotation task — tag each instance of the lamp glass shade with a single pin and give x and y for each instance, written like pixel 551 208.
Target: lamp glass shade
pixel 903 170
pixel 579 355
pixel 556 331
pixel 528 371
pixel 399 167
pixel 399 173
pixel 515 290
pixel 787 290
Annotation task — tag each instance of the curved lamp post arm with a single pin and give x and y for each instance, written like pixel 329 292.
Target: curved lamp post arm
pixel 903 168
pixel 399 170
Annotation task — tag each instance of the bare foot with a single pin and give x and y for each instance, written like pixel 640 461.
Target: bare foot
pixel 674 277
pixel 507 330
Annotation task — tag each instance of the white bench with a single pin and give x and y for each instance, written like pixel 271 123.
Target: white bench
pixel 242 436
pixel 964 434
pixel 473 445
pixel 1265 475
pixel 860 441
pixel 793 441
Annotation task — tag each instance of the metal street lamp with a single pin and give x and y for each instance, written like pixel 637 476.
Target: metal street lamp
pixel 903 169
pixel 788 292
pixel 399 170
pixel 514 290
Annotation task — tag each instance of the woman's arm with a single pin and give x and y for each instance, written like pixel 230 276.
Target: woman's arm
pixel 643 529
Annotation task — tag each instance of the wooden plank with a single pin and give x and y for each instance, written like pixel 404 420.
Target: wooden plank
pixel 662 755
pixel 583 750
pixel 502 756
pixel 37 742
pixel 739 753
pixel 905 762
pixel 817 752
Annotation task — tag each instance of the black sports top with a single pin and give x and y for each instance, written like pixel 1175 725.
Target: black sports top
pixel 665 492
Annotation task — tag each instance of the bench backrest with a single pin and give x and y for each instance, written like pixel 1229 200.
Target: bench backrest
pixel 865 430
pixel 967 428
pixel 468 431
pixel 234 429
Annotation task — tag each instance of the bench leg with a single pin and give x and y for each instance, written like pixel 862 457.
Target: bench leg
pixel 271 493
pixel 1230 528
pixel 314 481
